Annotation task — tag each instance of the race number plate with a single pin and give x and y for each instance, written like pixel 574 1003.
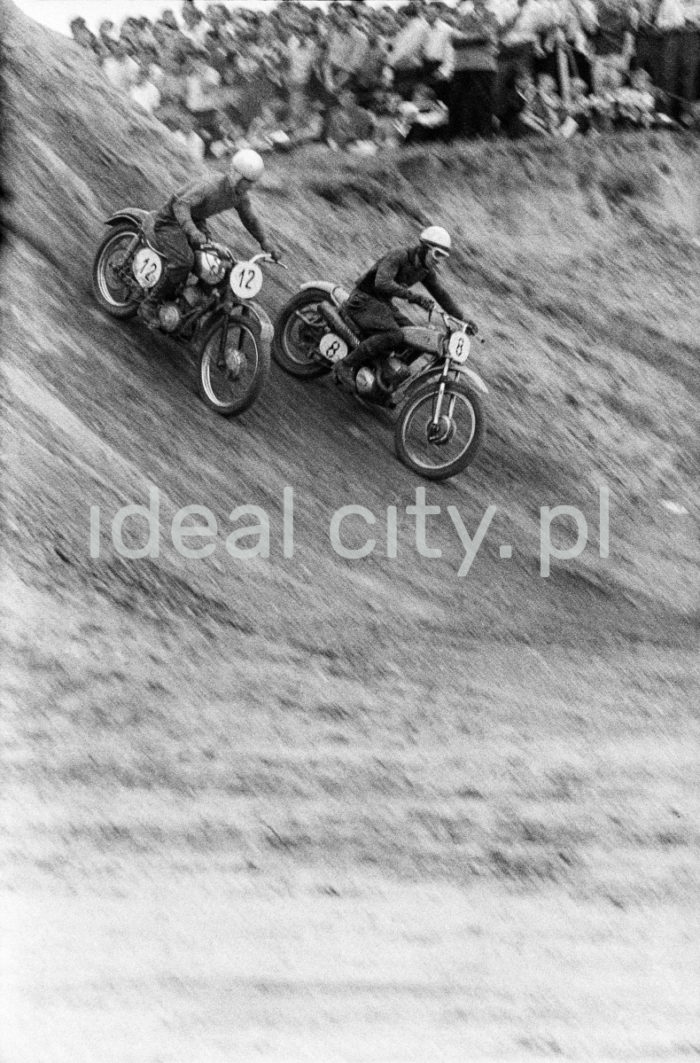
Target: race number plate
pixel 147 267
pixel 332 347
pixel 459 347
pixel 246 280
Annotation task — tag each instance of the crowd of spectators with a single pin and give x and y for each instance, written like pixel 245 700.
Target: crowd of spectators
pixel 358 76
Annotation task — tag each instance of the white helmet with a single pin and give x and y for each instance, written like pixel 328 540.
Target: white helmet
pixel 436 236
pixel 247 163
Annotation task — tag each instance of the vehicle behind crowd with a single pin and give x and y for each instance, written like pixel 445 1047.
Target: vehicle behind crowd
pixel 440 421
pixel 216 314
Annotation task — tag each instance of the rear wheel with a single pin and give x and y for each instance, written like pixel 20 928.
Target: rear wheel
pixel 439 450
pixel 233 366
pixel 299 329
pixel 113 286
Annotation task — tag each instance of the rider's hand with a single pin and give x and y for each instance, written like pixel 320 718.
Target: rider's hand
pixel 274 253
pixel 198 241
pixel 472 328
pixel 220 249
pixel 423 301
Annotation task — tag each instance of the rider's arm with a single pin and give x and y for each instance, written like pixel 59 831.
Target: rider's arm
pixel 385 283
pixel 442 297
pixel 182 203
pixel 251 221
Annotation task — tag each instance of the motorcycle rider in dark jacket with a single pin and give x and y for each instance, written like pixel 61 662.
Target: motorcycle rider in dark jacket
pixel 391 277
pixel 180 224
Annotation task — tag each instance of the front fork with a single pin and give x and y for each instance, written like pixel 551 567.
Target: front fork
pixel 434 425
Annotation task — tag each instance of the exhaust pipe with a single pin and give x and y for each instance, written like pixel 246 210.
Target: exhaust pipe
pixel 338 325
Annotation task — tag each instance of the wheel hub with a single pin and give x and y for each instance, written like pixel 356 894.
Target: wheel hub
pixel 442 432
pixel 234 363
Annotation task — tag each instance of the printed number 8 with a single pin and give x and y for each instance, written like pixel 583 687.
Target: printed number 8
pixel 333 349
pixel 460 348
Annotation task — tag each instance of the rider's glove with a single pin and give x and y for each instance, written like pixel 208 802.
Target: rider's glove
pixel 422 300
pixel 220 249
pixel 472 328
pixel 273 252
pixel 198 240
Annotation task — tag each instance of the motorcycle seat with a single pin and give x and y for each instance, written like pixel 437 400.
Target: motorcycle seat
pixel 348 319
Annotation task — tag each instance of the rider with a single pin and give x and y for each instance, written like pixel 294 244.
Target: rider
pixel 180 224
pixel 391 277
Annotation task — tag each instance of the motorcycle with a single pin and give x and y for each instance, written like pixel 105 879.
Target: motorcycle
pixel 215 312
pixel 440 422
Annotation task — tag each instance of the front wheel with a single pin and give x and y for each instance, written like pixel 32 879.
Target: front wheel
pixel 299 329
pixel 233 366
pixel 438 450
pixel 114 289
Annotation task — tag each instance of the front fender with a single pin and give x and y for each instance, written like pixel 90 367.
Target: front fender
pixel 337 293
pixel 128 214
pixel 432 372
pixel 253 314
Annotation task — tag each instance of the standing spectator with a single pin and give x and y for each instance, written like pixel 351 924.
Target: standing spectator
pixel 84 37
pixel 108 37
pixel 347 46
pixel 679 24
pixel 472 93
pixel 438 54
pixel 408 49
pixel 349 125
pixel 144 93
pixel 120 68
pixel 301 54
pixel 195 25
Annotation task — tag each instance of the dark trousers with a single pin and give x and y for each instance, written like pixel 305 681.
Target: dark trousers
pixel 378 318
pixel 171 241
pixel 471 103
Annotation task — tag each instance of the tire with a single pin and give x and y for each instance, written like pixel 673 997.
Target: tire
pixel 295 342
pixel 232 383
pixel 457 448
pixel 116 299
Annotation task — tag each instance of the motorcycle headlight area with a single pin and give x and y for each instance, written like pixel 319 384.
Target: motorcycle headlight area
pixel 246 280
pixel 458 347
pixel 210 267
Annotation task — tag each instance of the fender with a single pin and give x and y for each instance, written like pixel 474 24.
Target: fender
pixel 128 214
pixel 435 371
pixel 337 293
pixel 258 318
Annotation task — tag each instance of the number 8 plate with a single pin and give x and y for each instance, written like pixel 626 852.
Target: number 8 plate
pixel 459 347
pixel 246 280
pixel 332 347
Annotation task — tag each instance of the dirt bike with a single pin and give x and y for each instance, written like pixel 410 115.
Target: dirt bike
pixel 440 422
pixel 215 313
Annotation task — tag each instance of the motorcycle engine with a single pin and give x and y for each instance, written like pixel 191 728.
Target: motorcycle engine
pixel 365 381
pixel 169 317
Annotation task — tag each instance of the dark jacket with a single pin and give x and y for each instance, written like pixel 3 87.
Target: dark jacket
pixel 394 274
pixel 204 197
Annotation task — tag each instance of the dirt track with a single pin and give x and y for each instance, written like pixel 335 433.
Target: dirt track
pixel 312 808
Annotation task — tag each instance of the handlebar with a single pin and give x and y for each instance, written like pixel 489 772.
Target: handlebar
pixel 464 326
pixel 263 256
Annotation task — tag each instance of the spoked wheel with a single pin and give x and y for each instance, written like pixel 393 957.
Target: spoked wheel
pixel 437 450
pixel 110 282
pixel 299 329
pixel 233 367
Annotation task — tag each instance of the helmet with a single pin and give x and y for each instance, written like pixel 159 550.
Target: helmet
pixel 247 163
pixel 436 236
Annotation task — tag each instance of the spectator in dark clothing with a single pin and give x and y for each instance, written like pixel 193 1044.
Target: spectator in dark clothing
pixel 472 94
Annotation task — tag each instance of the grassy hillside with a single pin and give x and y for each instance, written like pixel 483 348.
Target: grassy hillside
pixel 389 808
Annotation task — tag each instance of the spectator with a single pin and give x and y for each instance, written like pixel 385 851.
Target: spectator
pixel 84 37
pixel 144 92
pixel 302 50
pixel 679 23
pixel 438 54
pixel 120 68
pixel 408 49
pixel 186 135
pixel 425 115
pixel 472 93
pixel 108 37
pixel 196 26
pixel 349 124
pixel 347 47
